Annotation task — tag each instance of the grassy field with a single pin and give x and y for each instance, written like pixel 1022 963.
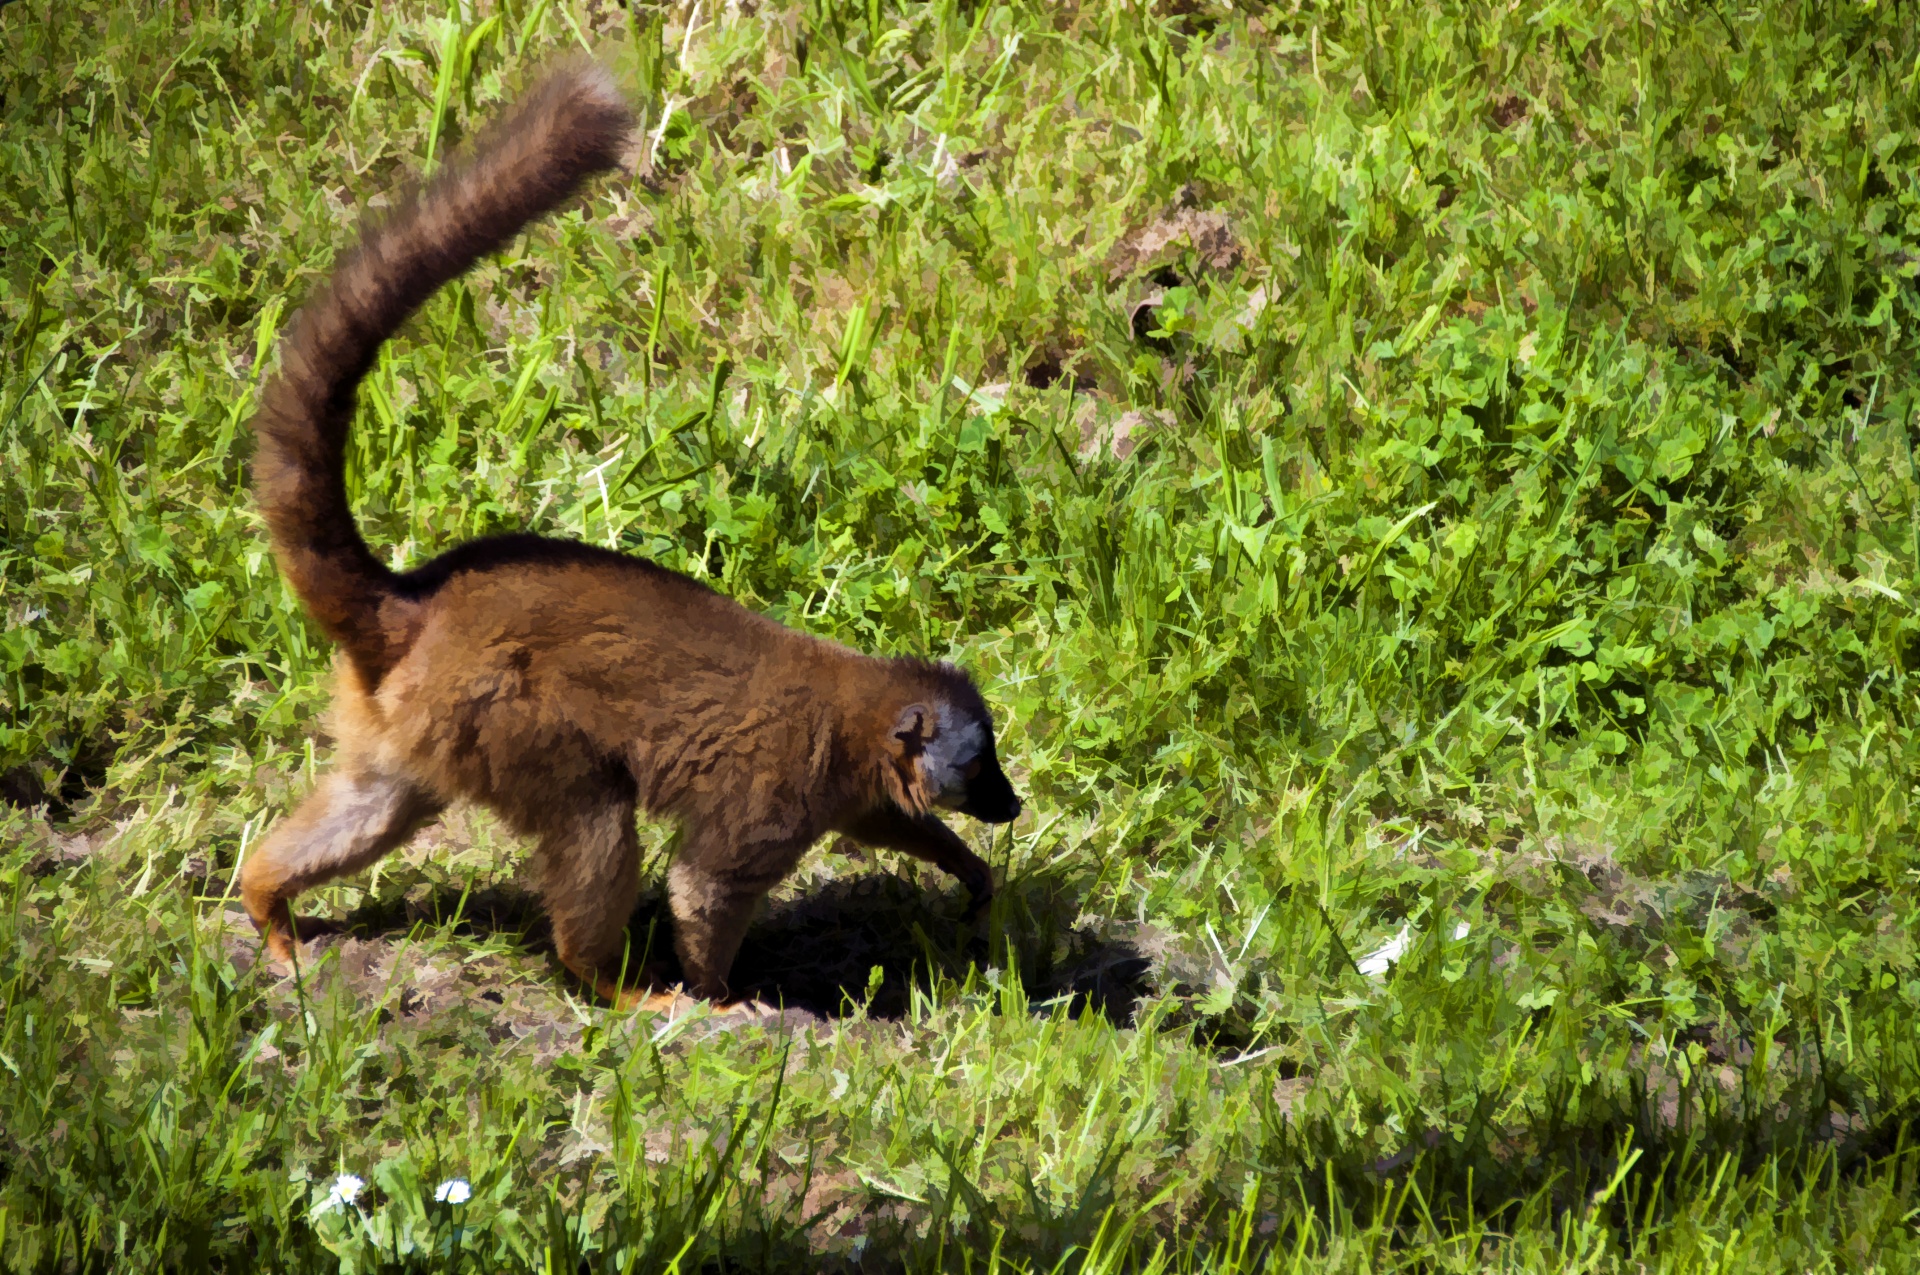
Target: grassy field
pixel 1429 490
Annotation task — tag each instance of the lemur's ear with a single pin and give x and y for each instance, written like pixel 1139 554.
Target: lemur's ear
pixel 906 741
pixel 912 729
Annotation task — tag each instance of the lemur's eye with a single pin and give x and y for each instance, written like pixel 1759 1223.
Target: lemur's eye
pixel 972 769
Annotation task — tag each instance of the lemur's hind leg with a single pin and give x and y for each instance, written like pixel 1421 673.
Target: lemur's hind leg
pixel 589 875
pixel 712 890
pixel 356 815
pixel 710 918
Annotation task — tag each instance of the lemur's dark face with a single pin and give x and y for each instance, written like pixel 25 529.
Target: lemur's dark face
pixel 960 766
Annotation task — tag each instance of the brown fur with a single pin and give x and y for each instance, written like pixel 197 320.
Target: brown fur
pixel 565 686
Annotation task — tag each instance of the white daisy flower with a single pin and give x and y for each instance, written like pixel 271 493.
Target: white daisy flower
pixel 345 1189
pixel 453 1191
pixel 1376 963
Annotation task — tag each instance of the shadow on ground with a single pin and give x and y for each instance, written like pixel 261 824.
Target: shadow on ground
pixel 879 935
pixel 851 944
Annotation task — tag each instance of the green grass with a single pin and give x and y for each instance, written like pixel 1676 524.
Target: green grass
pixel 1436 470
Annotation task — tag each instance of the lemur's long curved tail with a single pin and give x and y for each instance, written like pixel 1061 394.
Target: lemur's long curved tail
pixel 574 124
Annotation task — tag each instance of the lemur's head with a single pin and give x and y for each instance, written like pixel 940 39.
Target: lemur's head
pixel 941 754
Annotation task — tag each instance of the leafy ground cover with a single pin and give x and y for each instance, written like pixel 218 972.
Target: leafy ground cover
pixel 1429 488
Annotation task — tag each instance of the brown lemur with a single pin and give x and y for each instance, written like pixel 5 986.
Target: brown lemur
pixel 561 685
